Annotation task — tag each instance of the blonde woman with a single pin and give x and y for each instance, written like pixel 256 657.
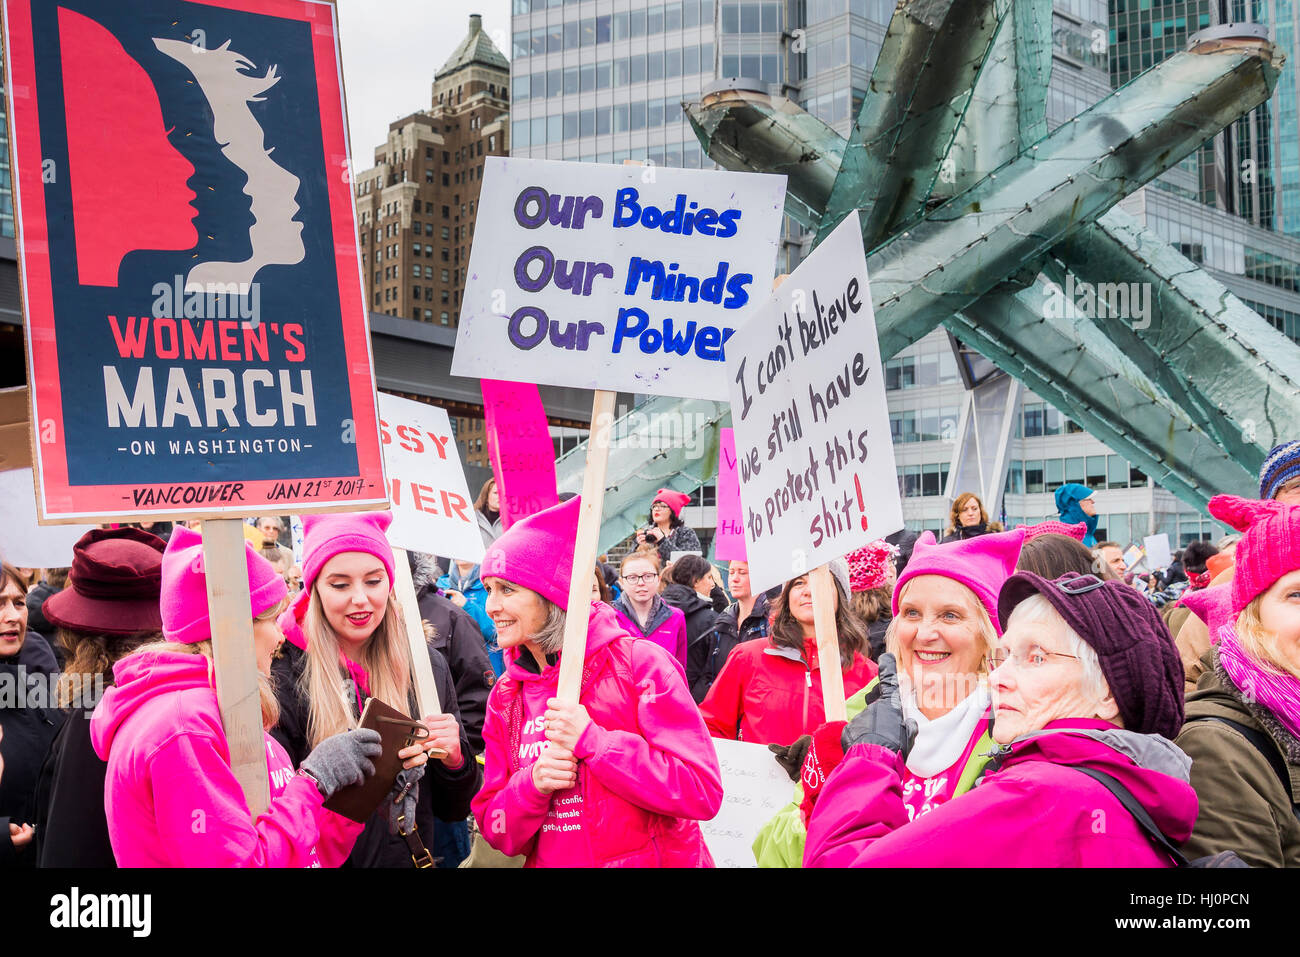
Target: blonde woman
pixel 170 794
pixel 344 643
pixel 1242 728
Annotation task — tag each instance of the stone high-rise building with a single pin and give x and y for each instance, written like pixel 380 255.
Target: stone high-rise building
pixel 416 206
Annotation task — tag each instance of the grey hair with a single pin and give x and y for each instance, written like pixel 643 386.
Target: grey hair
pixel 1039 610
pixel 550 637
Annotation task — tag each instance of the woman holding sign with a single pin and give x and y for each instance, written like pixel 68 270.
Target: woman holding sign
pixel 945 623
pixel 619 779
pixel 170 794
pixel 346 642
pixel 769 692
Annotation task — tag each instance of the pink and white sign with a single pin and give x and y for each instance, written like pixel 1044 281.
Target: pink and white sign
pixel 729 542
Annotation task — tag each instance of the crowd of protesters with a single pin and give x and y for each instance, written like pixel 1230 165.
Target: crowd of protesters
pixel 1002 687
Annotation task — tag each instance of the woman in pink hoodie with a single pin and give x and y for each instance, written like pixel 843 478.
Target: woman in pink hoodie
pixel 170 794
pixel 620 779
pixel 1087 693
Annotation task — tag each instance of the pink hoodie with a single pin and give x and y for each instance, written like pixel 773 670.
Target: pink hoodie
pixel 1035 810
pixel 647 770
pixel 171 797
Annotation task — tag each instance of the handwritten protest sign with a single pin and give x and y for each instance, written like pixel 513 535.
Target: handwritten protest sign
pixel 432 508
pixel 729 541
pixel 617 278
pixel 197 340
pixel 754 788
pixel 816 463
pixel 520 448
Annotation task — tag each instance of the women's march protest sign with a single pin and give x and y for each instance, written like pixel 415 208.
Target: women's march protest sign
pixel 197 337
pixel 813 448
pixel 630 278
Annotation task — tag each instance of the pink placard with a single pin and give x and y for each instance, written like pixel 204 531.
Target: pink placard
pixel 729 543
pixel 519 444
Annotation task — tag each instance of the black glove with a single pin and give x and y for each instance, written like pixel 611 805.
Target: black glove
pixel 343 759
pixel 402 799
pixel 882 721
pixel 790 756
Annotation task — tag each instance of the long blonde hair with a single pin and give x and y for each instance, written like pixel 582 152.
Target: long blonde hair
pixel 385 656
pixel 1261 644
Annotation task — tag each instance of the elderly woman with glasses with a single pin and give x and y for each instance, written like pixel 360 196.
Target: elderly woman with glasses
pixel 1087 693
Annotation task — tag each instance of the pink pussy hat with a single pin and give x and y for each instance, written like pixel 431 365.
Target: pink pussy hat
pixel 324 536
pixel 184 598
pixel 1269 547
pixel 1077 531
pixel 537 552
pixel 982 564
pixel 674 500
pixel 1213 606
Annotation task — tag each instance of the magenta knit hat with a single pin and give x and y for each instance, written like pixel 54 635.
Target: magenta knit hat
pixel 868 565
pixel 184 598
pixel 674 500
pixel 324 536
pixel 537 552
pixel 1213 606
pixel 1269 548
pixel 982 564
pixel 1078 531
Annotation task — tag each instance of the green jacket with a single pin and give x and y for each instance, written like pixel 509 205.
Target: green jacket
pixel 1242 804
pixel 781 841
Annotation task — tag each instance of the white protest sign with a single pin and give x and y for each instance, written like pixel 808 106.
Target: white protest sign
pixel 1157 549
pixel 22 541
pixel 813 448
pixel 754 788
pixel 432 507
pixel 624 278
pixel 1132 556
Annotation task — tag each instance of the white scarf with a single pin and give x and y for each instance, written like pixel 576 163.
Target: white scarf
pixel 939 743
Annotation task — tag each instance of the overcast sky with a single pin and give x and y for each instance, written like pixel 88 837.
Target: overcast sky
pixel 391 49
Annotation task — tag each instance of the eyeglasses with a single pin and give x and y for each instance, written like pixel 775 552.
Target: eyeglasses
pixel 1079 584
pixel 638 579
pixel 1032 657
pixel 658 505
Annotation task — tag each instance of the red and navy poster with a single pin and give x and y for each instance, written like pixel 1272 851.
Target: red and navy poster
pixel 197 337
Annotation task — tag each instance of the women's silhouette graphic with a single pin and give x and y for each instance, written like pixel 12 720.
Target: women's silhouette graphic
pixel 128 183
pixel 275 236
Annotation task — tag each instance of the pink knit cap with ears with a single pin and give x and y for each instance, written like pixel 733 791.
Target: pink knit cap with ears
pixel 537 552
pixel 674 500
pixel 1269 547
pixel 184 598
pixel 982 564
pixel 325 536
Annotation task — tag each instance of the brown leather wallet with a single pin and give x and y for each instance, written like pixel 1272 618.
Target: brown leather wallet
pixel 396 731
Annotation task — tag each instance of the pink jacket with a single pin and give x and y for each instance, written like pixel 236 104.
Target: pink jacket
pixel 647 770
pixel 170 795
pixel 1035 810
pixel 669 633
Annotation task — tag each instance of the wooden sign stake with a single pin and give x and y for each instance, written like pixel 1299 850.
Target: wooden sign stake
pixel 426 690
pixel 584 551
pixel 234 657
pixel 828 643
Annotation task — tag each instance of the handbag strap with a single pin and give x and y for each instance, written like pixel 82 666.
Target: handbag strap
pixel 1126 798
pixel 1265 746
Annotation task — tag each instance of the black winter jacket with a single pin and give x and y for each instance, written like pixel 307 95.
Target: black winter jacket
pixel 701 634
pixel 71 825
pixel 443 793
pixel 458 638
pixel 29 721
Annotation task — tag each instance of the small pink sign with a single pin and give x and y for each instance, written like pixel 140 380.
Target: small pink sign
pixel 520 447
pixel 729 543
